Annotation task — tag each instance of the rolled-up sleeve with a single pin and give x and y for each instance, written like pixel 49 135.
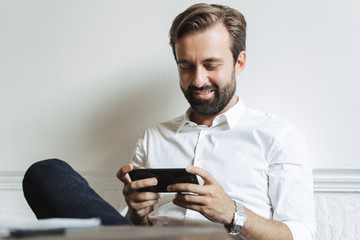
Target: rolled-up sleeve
pixel 291 185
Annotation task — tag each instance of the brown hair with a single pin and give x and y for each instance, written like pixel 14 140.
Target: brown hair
pixel 199 17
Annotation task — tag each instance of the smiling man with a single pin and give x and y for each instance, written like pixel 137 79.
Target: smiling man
pixel 257 178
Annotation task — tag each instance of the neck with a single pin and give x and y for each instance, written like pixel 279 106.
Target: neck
pixel 208 120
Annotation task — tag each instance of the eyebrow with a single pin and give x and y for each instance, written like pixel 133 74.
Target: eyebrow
pixel 217 60
pixel 181 61
pixel 208 60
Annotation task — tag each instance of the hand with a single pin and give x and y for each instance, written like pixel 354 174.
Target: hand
pixel 139 203
pixel 211 200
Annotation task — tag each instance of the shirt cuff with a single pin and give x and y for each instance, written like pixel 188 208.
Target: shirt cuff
pixel 300 231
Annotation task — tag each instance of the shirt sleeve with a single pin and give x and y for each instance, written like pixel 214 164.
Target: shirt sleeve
pixel 139 155
pixel 291 184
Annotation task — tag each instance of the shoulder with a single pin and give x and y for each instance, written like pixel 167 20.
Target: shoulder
pixel 282 141
pixel 270 125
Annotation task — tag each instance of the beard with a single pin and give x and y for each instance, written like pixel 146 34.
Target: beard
pixel 215 104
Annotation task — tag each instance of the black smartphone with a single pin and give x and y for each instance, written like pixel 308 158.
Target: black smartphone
pixel 164 176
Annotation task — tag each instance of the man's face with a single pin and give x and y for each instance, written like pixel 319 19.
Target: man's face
pixel 206 70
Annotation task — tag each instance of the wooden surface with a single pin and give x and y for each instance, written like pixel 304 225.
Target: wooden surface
pixel 140 233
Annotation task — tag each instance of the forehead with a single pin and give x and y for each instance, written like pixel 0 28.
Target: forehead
pixel 214 42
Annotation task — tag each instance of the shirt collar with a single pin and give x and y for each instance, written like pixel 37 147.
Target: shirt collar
pixel 234 114
pixel 185 120
pixel 231 116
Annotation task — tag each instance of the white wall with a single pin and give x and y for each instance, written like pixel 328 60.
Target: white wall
pixel 81 80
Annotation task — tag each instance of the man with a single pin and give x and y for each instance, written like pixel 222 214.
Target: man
pixel 257 179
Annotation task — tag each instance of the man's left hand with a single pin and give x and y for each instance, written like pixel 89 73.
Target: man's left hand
pixel 209 198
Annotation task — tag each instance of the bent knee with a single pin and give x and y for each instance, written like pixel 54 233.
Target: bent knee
pixel 45 168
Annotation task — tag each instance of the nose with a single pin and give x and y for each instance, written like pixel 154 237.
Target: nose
pixel 200 77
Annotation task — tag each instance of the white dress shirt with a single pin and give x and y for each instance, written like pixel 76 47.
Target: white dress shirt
pixel 258 159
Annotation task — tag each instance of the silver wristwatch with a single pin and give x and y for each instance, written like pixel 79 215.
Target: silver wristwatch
pixel 238 221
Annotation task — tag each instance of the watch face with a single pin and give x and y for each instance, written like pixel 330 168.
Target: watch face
pixel 239 220
pixel 240 217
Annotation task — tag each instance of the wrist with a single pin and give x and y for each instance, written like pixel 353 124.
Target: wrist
pixel 238 220
pixel 230 215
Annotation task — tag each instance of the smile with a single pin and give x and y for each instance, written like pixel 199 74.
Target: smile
pixel 205 92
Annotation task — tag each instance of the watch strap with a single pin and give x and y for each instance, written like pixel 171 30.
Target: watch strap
pixel 239 219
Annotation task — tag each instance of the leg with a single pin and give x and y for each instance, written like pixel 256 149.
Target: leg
pixel 54 190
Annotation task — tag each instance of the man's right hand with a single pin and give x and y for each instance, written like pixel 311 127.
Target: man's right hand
pixel 139 203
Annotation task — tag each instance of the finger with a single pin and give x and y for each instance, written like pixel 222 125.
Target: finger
pixel 137 197
pixel 147 182
pixel 138 184
pixel 205 175
pixel 188 204
pixel 142 212
pixel 191 199
pixel 123 175
pixel 127 189
pixel 141 201
pixel 187 187
pixel 138 207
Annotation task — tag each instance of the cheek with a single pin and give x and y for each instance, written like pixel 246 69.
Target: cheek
pixel 223 77
pixel 185 80
pixel 219 78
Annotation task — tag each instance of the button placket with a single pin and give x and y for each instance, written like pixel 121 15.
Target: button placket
pixel 198 148
pixel 190 214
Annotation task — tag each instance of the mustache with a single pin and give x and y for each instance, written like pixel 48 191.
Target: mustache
pixel 207 87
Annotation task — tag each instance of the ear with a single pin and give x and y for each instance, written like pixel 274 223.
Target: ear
pixel 241 62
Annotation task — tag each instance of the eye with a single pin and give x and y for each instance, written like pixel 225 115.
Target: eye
pixel 211 67
pixel 186 66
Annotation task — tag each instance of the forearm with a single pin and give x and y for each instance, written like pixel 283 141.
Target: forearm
pixel 259 228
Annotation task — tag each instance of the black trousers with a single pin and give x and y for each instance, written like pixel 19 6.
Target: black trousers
pixel 53 189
